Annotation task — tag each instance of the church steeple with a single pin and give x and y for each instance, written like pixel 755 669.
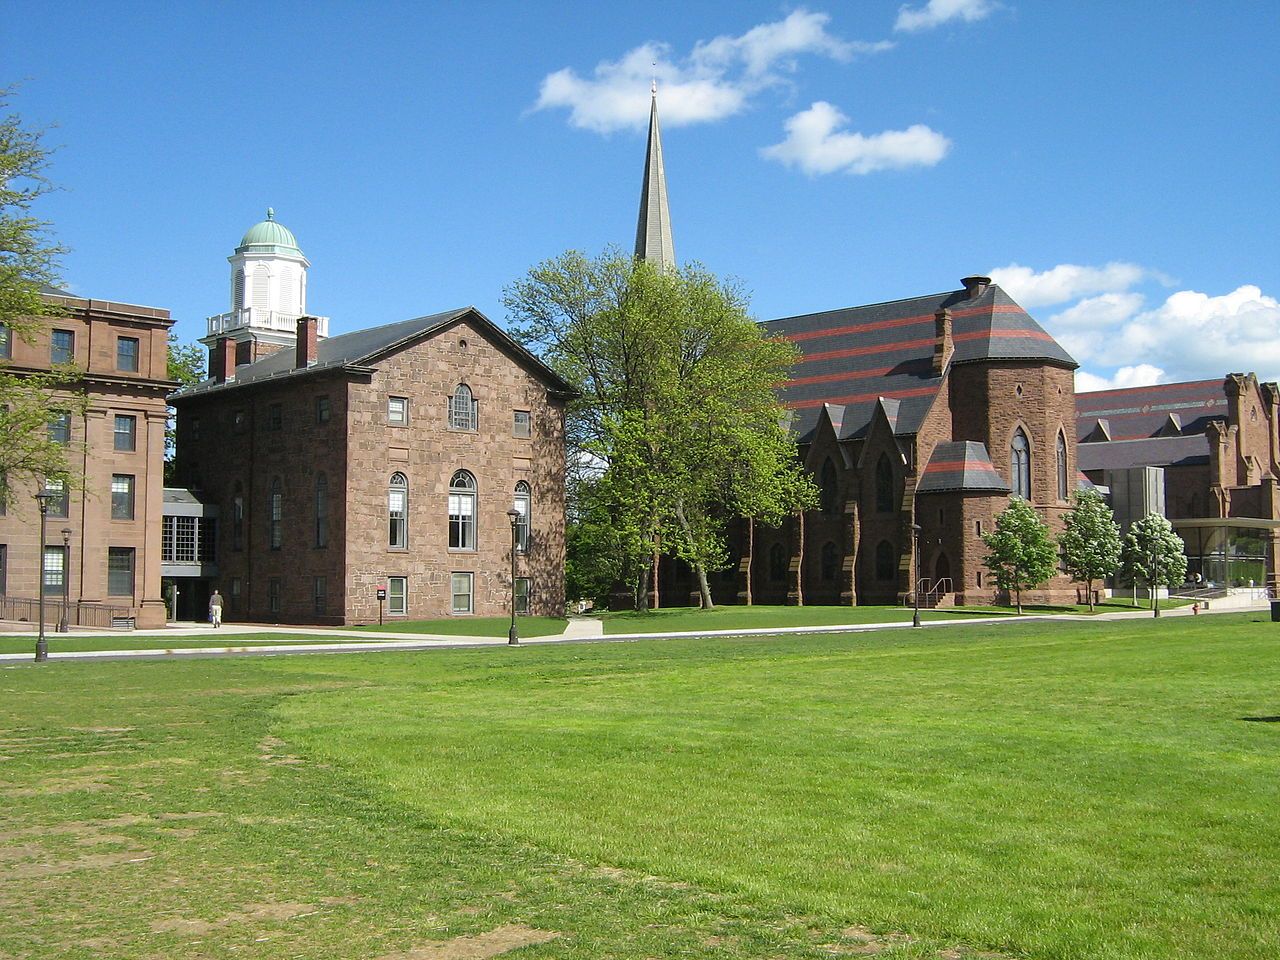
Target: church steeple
pixel 653 230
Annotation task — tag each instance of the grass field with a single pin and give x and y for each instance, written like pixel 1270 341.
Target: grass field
pixel 681 619
pixel 1032 790
pixel 71 643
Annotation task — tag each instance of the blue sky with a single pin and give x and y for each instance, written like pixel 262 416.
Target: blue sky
pixel 1113 164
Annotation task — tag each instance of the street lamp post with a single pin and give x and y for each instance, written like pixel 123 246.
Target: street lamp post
pixel 915 586
pixel 513 636
pixel 66 579
pixel 42 645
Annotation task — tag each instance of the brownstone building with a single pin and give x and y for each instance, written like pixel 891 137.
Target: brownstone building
pixel 1206 454
pixel 103 543
pixel 387 458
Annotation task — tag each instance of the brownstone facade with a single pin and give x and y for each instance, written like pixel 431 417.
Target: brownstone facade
pixel 116 448
pixel 304 461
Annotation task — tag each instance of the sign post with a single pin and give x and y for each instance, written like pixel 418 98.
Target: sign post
pixel 382 596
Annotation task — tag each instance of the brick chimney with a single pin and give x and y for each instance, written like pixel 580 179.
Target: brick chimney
pixel 306 348
pixel 222 360
pixel 942 344
pixel 975 286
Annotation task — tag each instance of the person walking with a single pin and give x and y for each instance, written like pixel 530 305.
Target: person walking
pixel 215 608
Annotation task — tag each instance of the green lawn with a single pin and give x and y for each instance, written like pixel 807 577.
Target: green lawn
pixel 472 626
pixel 126 641
pixel 1039 790
pixel 681 619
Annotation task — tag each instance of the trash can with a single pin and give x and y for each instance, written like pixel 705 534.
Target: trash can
pixel 1275 611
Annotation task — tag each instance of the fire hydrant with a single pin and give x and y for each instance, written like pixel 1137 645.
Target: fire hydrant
pixel 1195 609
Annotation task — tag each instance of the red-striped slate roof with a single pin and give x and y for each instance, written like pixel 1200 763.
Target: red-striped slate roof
pixel 962 465
pixel 1136 413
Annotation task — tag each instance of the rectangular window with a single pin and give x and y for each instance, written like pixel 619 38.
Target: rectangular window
pixel 319 596
pixel 55 571
pixel 60 505
pixel 235 593
pixel 275 524
pixel 273 594
pixel 168 532
pixel 127 354
pixel 122 497
pixel 521 424
pixel 62 347
pixel 322 409
pixel 398 596
pixel 522 595
pixel 398 410
pixel 275 418
pixel 195 429
pixel 120 571
pixel 4 569
pixel 185 540
pixel 60 427
pixel 977 527
pixel 206 538
pixel 462 521
pixel 461 592
pixel 6 342
pixel 322 511
pixel 126 432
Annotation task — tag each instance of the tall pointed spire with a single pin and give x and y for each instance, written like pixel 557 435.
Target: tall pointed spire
pixel 653 230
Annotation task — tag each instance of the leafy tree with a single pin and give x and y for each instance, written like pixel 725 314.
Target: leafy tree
pixel 1091 541
pixel 1153 553
pixel 677 412
pixel 1022 553
pixel 28 264
pixel 185 366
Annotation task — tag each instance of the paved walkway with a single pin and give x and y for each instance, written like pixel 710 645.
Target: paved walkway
pixel 579 630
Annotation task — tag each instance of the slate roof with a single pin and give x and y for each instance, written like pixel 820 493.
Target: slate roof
pixel 360 347
pixel 962 465
pixel 854 356
pixel 1147 452
pixel 1139 412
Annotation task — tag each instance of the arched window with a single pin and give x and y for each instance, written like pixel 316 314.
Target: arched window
pixel 1062 467
pixel 884 485
pixel 398 512
pixel 275 515
pixel 520 503
pixel 322 511
pixel 777 563
pixel 830 487
pixel 462 511
pixel 462 409
pixel 830 561
pixel 1020 465
pixel 884 560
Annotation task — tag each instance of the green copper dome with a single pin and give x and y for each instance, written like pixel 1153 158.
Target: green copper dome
pixel 270 234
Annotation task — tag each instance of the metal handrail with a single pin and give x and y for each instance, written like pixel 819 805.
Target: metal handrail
pixel 27 610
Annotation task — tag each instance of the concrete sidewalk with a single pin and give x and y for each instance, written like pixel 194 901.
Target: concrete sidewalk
pixel 578 630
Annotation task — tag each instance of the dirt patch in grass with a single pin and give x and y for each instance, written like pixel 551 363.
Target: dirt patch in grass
pixel 249 913
pixel 90 784
pixel 96 861
pixel 479 946
pixel 267 752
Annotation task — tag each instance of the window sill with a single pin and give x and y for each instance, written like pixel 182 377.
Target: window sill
pixel 462 549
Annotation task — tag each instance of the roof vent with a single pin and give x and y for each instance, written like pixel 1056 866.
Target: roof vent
pixel 976 286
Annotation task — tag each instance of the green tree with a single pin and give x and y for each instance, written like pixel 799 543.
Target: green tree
pixel 186 366
pixel 1153 553
pixel 28 264
pixel 677 411
pixel 1021 552
pixel 1091 541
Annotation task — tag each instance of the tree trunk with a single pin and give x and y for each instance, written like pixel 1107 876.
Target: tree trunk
pixel 640 590
pixel 800 566
pixel 751 553
pixel 704 588
pixel 1017 592
pixel 1088 586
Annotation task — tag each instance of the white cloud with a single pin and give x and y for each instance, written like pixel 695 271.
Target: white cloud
pixel 937 12
pixel 816 146
pixel 1067 281
pixel 1143 375
pixel 716 80
pixel 1093 313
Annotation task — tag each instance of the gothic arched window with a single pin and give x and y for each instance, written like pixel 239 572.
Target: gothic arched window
pixel 462 409
pixel 520 503
pixel 884 485
pixel 1062 467
pixel 884 560
pixel 829 487
pixel 1020 465
pixel 398 512
pixel 462 511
